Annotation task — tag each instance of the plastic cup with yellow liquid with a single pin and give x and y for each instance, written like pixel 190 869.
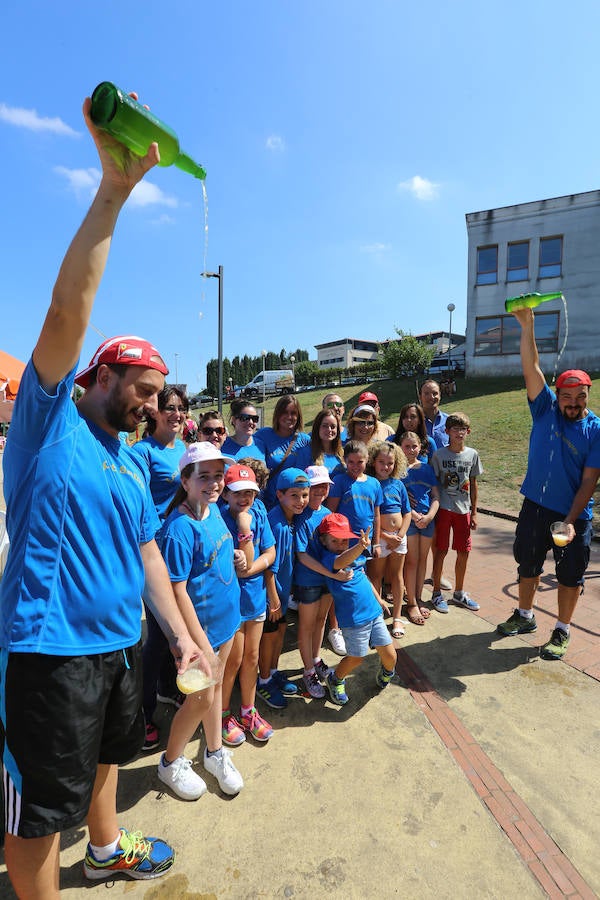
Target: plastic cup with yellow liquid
pixel 560 534
pixel 195 679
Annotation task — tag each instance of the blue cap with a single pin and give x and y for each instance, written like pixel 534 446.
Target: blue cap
pixel 290 478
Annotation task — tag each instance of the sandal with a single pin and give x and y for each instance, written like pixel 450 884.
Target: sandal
pixel 415 615
pixel 425 611
pixel 398 628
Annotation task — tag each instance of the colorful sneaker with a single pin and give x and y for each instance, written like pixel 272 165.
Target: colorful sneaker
pixel 517 624
pixel 231 730
pixel 383 677
pixel 230 780
pixel 287 687
pixel 336 641
pixel 322 671
pixel 462 599
pixel 181 778
pixel 313 685
pixel 337 689
pixel 255 725
pixel 271 694
pixel 557 646
pixel 438 602
pixel 151 741
pixel 138 857
pixel 175 699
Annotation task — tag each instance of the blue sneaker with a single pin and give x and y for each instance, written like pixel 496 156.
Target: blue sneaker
pixel 462 599
pixel 138 857
pixel 287 687
pixel 271 694
pixel 438 602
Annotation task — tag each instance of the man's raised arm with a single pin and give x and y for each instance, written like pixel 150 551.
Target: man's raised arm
pixel 530 360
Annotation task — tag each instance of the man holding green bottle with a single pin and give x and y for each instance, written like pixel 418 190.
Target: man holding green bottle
pixel 81 524
pixel 562 472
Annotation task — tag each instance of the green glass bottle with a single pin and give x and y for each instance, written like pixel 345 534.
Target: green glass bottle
pixel 525 301
pixel 132 124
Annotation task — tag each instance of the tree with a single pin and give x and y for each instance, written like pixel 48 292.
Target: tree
pixel 406 356
pixel 306 372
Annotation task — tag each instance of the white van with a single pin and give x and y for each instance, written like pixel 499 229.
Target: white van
pixel 277 381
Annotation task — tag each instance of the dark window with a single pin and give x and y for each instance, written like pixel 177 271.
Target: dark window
pixel 487 265
pixel 499 335
pixel 517 266
pixel 551 257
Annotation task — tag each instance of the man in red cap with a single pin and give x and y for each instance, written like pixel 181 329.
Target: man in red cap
pixel 562 472
pixel 383 431
pixel 82 523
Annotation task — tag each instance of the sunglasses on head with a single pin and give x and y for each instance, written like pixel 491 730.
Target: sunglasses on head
pixel 246 417
pixel 206 429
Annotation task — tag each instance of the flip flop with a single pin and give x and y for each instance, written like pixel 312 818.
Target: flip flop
pixel 398 629
pixel 414 614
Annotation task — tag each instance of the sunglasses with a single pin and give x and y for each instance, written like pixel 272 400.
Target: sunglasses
pixel 362 423
pixel 206 429
pixel 335 405
pixel 171 409
pixel 246 417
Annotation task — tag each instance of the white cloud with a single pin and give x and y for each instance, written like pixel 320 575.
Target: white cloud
pixel 165 219
pixel 86 181
pixel 375 249
pixel 32 121
pixel 421 188
pixel 275 143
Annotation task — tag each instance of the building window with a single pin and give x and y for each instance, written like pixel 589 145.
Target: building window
pixel 551 257
pixel 517 266
pixel 500 335
pixel 487 265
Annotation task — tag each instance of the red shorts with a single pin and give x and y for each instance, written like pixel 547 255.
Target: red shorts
pixel 460 523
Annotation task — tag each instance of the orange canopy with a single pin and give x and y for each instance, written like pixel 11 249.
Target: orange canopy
pixel 11 370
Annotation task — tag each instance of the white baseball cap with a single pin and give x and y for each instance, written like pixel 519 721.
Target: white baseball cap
pixel 318 475
pixel 202 451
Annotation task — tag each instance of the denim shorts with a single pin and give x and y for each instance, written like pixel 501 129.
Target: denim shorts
pixel 426 532
pixel 309 593
pixel 533 540
pixel 359 639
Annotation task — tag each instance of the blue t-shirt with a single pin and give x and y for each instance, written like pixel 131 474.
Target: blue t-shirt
pixel 78 508
pixel 559 450
pixel 419 482
pixel 358 500
pixel 274 448
pixel 163 465
pixel 307 541
pixel 302 458
pixel 201 554
pixel 395 498
pixel 253 599
pixel 232 448
pixel 283 567
pixel 354 600
pixel 437 430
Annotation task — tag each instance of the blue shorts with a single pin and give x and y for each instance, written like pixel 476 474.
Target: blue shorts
pixel 359 639
pixel 533 540
pixel 426 532
pixel 304 593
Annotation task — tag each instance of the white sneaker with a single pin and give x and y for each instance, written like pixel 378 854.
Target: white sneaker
pixel 336 641
pixel 230 780
pixel 181 778
pixel 445 584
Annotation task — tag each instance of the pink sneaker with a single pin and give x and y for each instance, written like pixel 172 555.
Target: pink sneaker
pixel 231 730
pixel 255 725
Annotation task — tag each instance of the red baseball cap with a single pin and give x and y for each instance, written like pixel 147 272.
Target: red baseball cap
pixel 572 378
pixel 337 526
pixel 240 478
pixel 125 350
pixel 368 397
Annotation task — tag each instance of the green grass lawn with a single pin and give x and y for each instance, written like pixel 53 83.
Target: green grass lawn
pixel 500 425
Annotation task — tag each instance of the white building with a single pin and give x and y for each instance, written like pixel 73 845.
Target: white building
pixel 346 352
pixel 544 246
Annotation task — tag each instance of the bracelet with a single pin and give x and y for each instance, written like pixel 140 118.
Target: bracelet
pixel 376 545
pixel 242 538
pixel 275 608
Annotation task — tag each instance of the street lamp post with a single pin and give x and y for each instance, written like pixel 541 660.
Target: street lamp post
pixel 263 353
pixel 293 360
pixel 451 307
pixel 219 275
pixel 176 369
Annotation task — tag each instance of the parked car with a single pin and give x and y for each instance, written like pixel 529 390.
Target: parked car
pixel 276 381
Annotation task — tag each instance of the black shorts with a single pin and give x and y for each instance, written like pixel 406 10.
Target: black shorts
pixel 533 540
pixel 272 627
pixel 62 716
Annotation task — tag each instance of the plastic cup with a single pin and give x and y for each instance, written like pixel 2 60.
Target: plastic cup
pixel 560 533
pixel 195 679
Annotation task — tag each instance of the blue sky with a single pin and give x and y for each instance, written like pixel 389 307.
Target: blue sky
pixel 344 143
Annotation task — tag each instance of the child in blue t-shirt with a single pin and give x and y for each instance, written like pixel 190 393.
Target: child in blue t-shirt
pixel 358 606
pixel 201 562
pixel 356 495
pixel 240 494
pixel 292 497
